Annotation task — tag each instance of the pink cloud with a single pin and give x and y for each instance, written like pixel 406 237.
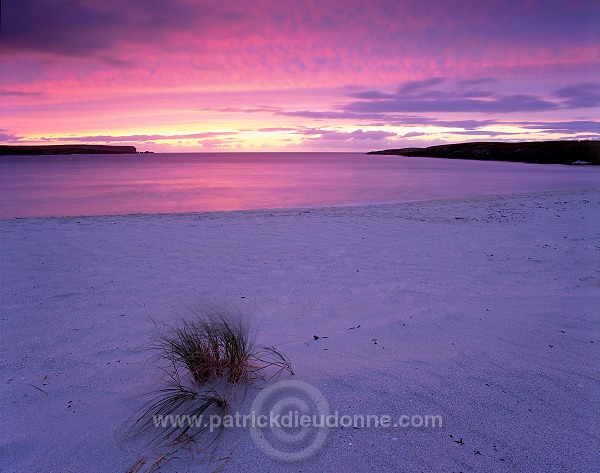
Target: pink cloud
pixel 270 43
pixel 82 67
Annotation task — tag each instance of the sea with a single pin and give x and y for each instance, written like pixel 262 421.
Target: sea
pixel 80 185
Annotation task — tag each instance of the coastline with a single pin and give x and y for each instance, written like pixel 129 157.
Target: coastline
pixel 539 152
pixel 481 308
pixel 57 150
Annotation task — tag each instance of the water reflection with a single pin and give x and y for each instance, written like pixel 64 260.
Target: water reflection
pixel 109 184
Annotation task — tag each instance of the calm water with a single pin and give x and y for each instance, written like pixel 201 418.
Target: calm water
pixel 36 186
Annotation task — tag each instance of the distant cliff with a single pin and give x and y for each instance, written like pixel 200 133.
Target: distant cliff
pixel 66 149
pixel 542 152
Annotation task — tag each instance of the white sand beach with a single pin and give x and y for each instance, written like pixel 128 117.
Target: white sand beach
pixel 485 311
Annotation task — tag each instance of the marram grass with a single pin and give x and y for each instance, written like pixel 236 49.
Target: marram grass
pixel 207 360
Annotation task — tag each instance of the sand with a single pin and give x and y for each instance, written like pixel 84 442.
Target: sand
pixel 484 311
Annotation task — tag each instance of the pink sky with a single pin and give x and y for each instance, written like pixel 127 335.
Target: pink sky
pixel 288 75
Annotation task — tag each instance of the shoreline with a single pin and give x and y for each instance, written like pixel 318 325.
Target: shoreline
pixel 333 208
pixel 479 310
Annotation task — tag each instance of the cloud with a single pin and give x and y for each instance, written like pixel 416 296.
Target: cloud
pixel 276 129
pixel 384 118
pixel 423 97
pixel 580 95
pixel 61 27
pixel 357 135
pixel 139 138
pixel 471 82
pixel 414 38
pixel 575 126
pixel 507 104
pixel 463 96
pixel 371 95
pixel 466 124
pixel 7 136
pixel 328 134
pixel 259 109
pixel 489 133
pixel 113 66
pixel 318 114
pixel 100 28
pixel 212 143
pixel 378 118
pixel 18 93
pixel 410 87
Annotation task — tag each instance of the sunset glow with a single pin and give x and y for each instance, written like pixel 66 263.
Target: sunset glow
pixel 283 75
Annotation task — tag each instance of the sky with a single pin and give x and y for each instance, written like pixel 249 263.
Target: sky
pixel 297 75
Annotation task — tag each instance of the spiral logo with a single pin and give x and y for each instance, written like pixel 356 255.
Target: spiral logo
pixel 288 420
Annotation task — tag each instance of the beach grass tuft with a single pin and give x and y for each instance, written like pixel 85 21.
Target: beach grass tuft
pixel 220 346
pixel 207 360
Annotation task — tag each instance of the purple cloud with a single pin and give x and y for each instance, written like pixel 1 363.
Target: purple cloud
pixel 18 93
pixel 471 82
pixel 466 124
pixel 327 115
pixel 483 133
pixel 318 133
pixel 374 135
pixel 371 95
pixel 506 104
pixel 94 28
pixel 140 138
pixel 415 85
pixel 575 126
pixel 7 136
pixel 580 95
pixel 422 97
